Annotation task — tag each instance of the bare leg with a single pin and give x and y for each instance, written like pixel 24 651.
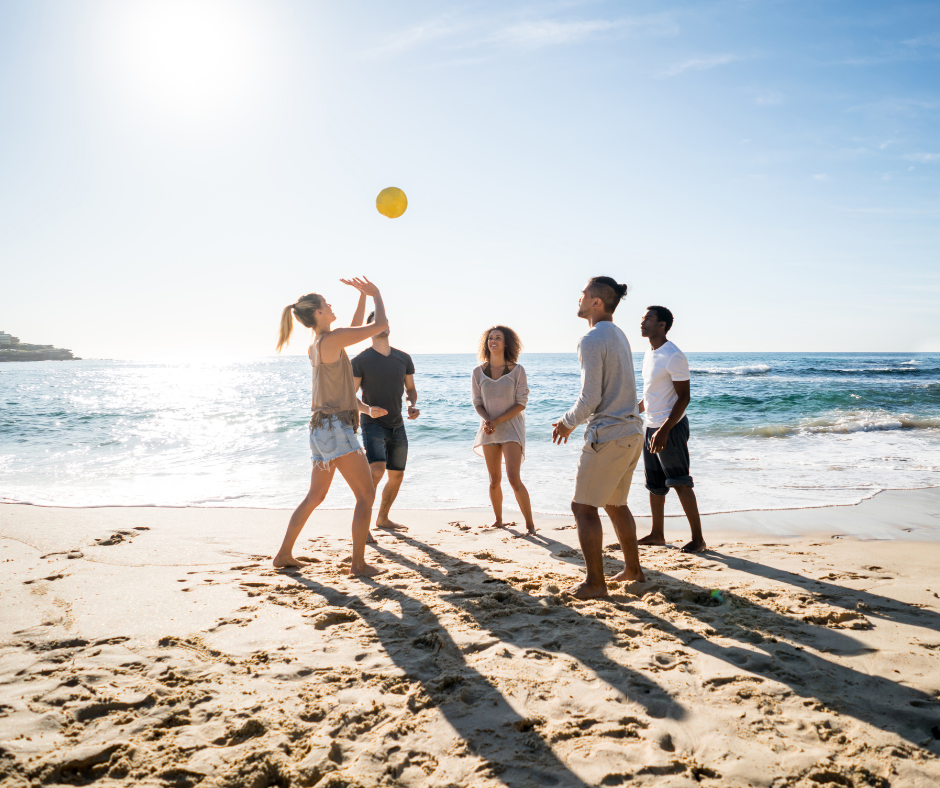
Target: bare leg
pixel 625 528
pixel 493 454
pixel 690 507
pixel 389 494
pixel 657 535
pixel 377 469
pixel 355 471
pixel 513 454
pixel 320 481
pixel 591 537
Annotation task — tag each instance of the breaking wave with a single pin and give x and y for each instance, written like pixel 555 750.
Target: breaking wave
pixel 844 424
pixel 755 369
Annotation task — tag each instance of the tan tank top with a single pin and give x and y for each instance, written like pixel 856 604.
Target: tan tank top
pixel 333 390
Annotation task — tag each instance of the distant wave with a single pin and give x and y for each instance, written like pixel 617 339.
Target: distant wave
pixel 905 369
pixel 842 425
pixel 756 369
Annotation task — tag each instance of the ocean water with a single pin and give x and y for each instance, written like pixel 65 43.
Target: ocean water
pixel 769 431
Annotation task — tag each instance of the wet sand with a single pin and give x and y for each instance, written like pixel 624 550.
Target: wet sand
pixel 159 647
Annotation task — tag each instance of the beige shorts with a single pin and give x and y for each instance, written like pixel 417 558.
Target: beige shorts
pixel 605 471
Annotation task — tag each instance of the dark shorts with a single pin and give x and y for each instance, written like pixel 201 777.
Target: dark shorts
pixel 670 467
pixel 385 444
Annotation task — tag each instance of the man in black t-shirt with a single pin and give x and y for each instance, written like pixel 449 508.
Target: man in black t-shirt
pixel 385 374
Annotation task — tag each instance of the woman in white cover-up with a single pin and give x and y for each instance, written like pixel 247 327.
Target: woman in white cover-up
pixel 500 392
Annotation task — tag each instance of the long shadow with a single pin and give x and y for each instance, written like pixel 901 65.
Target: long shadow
pixel 454 687
pixel 838 596
pixel 878 701
pixel 885 704
pixel 636 686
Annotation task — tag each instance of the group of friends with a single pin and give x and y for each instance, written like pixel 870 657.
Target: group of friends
pixel 615 435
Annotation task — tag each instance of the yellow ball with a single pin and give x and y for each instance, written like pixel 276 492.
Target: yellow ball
pixel 391 202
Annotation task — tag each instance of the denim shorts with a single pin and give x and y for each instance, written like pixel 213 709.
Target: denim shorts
pixel 331 440
pixel 670 467
pixel 386 444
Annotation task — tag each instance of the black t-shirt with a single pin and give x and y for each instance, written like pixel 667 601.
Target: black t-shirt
pixel 383 383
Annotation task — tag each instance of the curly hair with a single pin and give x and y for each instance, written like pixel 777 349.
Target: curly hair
pixel 513 344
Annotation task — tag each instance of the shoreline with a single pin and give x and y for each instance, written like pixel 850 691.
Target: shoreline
pixel 733 521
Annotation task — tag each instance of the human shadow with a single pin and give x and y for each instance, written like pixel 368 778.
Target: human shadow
pixel 872 699
pixel 875 700
pixel 455 688
pixel 877 606
pixel 588 647
pixel 878 701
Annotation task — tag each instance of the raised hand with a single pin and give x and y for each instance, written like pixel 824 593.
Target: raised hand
pixel 362 284
pixel 413 412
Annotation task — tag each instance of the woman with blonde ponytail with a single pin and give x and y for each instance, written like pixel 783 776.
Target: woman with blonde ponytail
pixel 333 442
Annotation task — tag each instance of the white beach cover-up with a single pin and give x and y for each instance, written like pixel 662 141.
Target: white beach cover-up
pixel 496 397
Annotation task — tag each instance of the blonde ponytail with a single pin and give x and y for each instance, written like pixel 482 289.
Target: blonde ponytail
pixel 305 311
pixel 287 327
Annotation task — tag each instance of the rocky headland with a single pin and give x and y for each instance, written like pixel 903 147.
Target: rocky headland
pixel 13 350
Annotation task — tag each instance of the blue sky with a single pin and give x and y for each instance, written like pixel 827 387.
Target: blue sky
pixel 173 173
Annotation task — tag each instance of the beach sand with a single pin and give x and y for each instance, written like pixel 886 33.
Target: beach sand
pixel 158 647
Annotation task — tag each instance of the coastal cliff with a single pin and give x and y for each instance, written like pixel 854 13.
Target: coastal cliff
pixel 48 354
pixel 11 349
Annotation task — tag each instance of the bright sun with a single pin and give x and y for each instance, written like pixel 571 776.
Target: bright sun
pixel 193 58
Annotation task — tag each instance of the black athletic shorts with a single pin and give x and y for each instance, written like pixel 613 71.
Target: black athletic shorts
pixel 670 467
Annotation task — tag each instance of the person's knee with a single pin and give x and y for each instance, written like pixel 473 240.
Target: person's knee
pixel 365 497
pixel 515 481
pixel 580 510
pixel 395 477
pixel 314 499
pixel 495 480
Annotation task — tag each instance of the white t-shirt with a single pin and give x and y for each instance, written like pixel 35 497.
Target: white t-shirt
pixel 660 368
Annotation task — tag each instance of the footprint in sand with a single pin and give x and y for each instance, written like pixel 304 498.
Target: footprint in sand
pixel 487 555
pixel 116 538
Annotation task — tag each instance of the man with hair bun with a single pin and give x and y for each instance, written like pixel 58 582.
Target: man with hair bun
pixel 613 439
pixel 666 394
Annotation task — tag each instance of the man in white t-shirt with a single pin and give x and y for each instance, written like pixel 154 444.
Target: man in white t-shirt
pixel 666 394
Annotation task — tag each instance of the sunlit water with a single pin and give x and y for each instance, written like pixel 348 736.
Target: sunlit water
pixel 768 431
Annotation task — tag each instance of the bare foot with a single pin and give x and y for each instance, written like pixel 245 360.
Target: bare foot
pixel 365 570
pixel 695 546
pixel 370 539
pixel 629 577
pixel 497 524
pixel 390 525
pixel 584 591
pixel 282 561
pixel 530 530
pixel 658 541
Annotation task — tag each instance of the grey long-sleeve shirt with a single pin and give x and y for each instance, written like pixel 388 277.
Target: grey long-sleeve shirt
pixel 608 386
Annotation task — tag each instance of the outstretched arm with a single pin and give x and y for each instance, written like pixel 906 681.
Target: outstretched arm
pixel 360 313
pixel 333 343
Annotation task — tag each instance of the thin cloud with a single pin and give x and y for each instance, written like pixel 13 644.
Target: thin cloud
pixel 769 99
pixel 531 35
pixel 488 34
pixel 699 64
pixel 929 40
pixel 923 158
pixel 822 176
pixel 412 37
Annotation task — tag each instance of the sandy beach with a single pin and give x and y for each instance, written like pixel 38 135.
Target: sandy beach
pixel 158 647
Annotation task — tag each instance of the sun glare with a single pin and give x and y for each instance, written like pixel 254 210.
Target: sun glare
pixel 190 58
